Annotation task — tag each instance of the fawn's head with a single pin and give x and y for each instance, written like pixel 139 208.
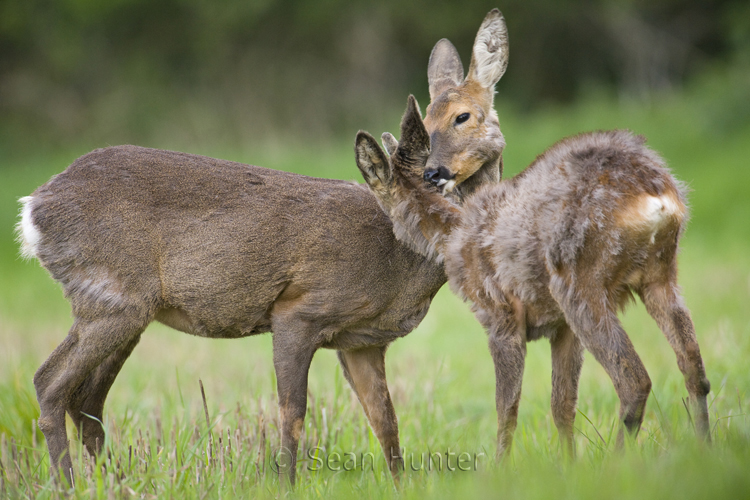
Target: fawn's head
pixel 461 121
pixel 391 175
pixel 415 207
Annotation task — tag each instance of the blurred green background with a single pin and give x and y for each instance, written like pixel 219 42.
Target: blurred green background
pixel 235 74
pixel 286 85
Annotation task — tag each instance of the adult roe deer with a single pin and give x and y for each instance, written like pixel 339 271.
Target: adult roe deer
pixel 224 250
pixel 553 252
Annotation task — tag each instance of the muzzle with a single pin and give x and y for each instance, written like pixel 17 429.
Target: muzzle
pixel 438 176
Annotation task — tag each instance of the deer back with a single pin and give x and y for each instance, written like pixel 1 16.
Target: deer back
pixel 597 211
pixel 217 248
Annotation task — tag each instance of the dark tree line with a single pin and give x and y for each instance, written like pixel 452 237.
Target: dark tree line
pixel 233 69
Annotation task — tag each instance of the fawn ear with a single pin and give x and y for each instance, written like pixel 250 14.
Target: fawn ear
pixel 444 69
pixel 372 162
pixel 489 59
pixel 414 146
pixel 389 142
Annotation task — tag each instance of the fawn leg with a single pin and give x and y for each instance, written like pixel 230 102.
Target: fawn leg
pixel 365 371
pixel 89 398
pixel 599 330
pixel 291 360
pixel 567 360
pixel 507 342
pixel 89 342
pixel 664 304
pixel 602 334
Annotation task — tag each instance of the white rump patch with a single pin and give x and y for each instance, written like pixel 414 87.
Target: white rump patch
pixel 651 212
pixel 656 209
pixel 26 232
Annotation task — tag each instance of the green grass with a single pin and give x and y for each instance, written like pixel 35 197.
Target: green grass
pixel 441 375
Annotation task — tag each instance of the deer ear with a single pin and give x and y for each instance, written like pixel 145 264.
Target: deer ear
pixel 372 162
pixel 489 59
pixel 414 146
pixel 444 69
pixel 389 142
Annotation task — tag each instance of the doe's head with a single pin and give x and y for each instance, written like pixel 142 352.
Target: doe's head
pixel 461 121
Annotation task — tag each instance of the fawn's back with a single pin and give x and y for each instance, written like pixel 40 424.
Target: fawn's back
pixel 599 210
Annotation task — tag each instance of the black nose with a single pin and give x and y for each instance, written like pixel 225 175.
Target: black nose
pixel 432 175
pixel 436 175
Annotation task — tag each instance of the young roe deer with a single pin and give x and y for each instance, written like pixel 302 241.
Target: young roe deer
pixel 554 252
pixel 223 250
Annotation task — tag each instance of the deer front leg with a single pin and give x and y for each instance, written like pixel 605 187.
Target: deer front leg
pixel 292 356
pixel 567 360
pixel 507 342
pixel 365 371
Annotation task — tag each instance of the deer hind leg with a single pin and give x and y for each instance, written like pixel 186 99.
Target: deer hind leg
pixel 365 371
pixel 292 355
pixel 507 342
pixel 664 303
pixel 567 360
pixel 600 332
pixel 86 406
pixel 88 344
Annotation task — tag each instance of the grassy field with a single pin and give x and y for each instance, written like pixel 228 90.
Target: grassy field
pixel 441 376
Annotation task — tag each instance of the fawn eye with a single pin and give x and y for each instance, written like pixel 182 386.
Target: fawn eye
pixel 462 117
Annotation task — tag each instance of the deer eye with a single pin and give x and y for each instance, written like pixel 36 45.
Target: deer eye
pixel 462 118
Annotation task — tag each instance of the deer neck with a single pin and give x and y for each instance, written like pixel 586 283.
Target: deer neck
pixel 422 218
pixel 490 173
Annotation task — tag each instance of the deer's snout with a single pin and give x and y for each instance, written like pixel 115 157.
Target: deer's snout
pixel 438 176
